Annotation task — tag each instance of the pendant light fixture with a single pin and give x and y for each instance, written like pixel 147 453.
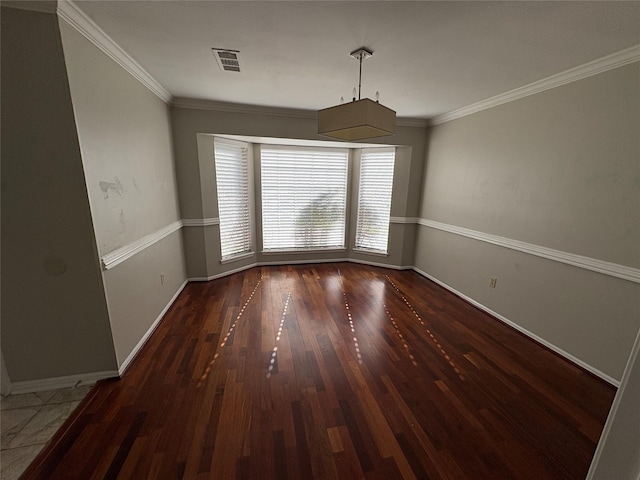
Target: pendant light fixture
pixel 359 119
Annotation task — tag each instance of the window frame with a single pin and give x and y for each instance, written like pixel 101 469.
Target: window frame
pixel 346 152
pixel 250 217
pixel 359 211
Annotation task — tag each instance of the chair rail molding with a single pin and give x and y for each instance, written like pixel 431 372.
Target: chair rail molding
pixel 200 222
pixel 116 257
pixel 623 272
pixel 616 270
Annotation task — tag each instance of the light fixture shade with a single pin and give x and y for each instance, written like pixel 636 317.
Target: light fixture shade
pixel 357 120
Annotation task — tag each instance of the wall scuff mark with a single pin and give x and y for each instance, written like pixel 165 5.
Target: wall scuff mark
pixel 122 222
pixel 116 186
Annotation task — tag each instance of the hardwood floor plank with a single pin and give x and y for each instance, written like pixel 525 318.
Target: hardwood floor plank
pixel 334 440
pixel 443 465
pixel 333 371
pixel 356 437
pixel 302 446
pixel 125 446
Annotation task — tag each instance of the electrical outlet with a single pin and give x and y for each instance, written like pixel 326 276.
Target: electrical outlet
pixel 162 279
pixel 492 282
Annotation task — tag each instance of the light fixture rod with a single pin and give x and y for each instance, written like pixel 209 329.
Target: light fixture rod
pixel 360 54
pixel 360 78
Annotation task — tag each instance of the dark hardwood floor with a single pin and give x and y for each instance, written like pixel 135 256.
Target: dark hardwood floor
pixel 333 371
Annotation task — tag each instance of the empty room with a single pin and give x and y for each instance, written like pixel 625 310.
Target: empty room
pixel 308 239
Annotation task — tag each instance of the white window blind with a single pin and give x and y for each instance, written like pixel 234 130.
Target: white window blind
pixel 232 179
pixel 374 198
pixel 304 192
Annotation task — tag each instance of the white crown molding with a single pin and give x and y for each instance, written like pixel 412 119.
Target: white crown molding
pixel 608 268
pixel 595 67
pixel 118 256
pixel 151 329
pixel 201 104
pixel 200 222
pixel 55 383
pixel 526 332
pixel 70 13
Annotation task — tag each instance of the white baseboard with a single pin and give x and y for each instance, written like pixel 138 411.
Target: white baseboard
pixel 533 336
pixel 54 383
pixel 376 264
pixel 223 274
pixel 298 262
pixel 90 378
pixel 558 350
pixel 146 336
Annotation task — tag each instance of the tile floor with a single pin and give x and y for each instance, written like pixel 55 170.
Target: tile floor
pixel 28 421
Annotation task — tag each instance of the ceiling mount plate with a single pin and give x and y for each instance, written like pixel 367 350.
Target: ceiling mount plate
pixel 361 53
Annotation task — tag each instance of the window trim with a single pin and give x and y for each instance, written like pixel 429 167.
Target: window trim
pixel 345 213
pixel 250 199
pixel 360 248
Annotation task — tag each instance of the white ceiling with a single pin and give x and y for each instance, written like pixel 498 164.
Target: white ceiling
pixel 429 57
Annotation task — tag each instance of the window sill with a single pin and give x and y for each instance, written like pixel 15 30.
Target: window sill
pixel 377 253
pixel 235 258
pixel 303 251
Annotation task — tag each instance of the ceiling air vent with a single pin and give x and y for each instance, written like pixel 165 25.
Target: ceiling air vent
pixel 228 60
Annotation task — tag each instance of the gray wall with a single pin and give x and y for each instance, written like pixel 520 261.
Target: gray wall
pixel 196 180
pixel 125 139
pixel 618 453
pixel 54 314
pixel 559 169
